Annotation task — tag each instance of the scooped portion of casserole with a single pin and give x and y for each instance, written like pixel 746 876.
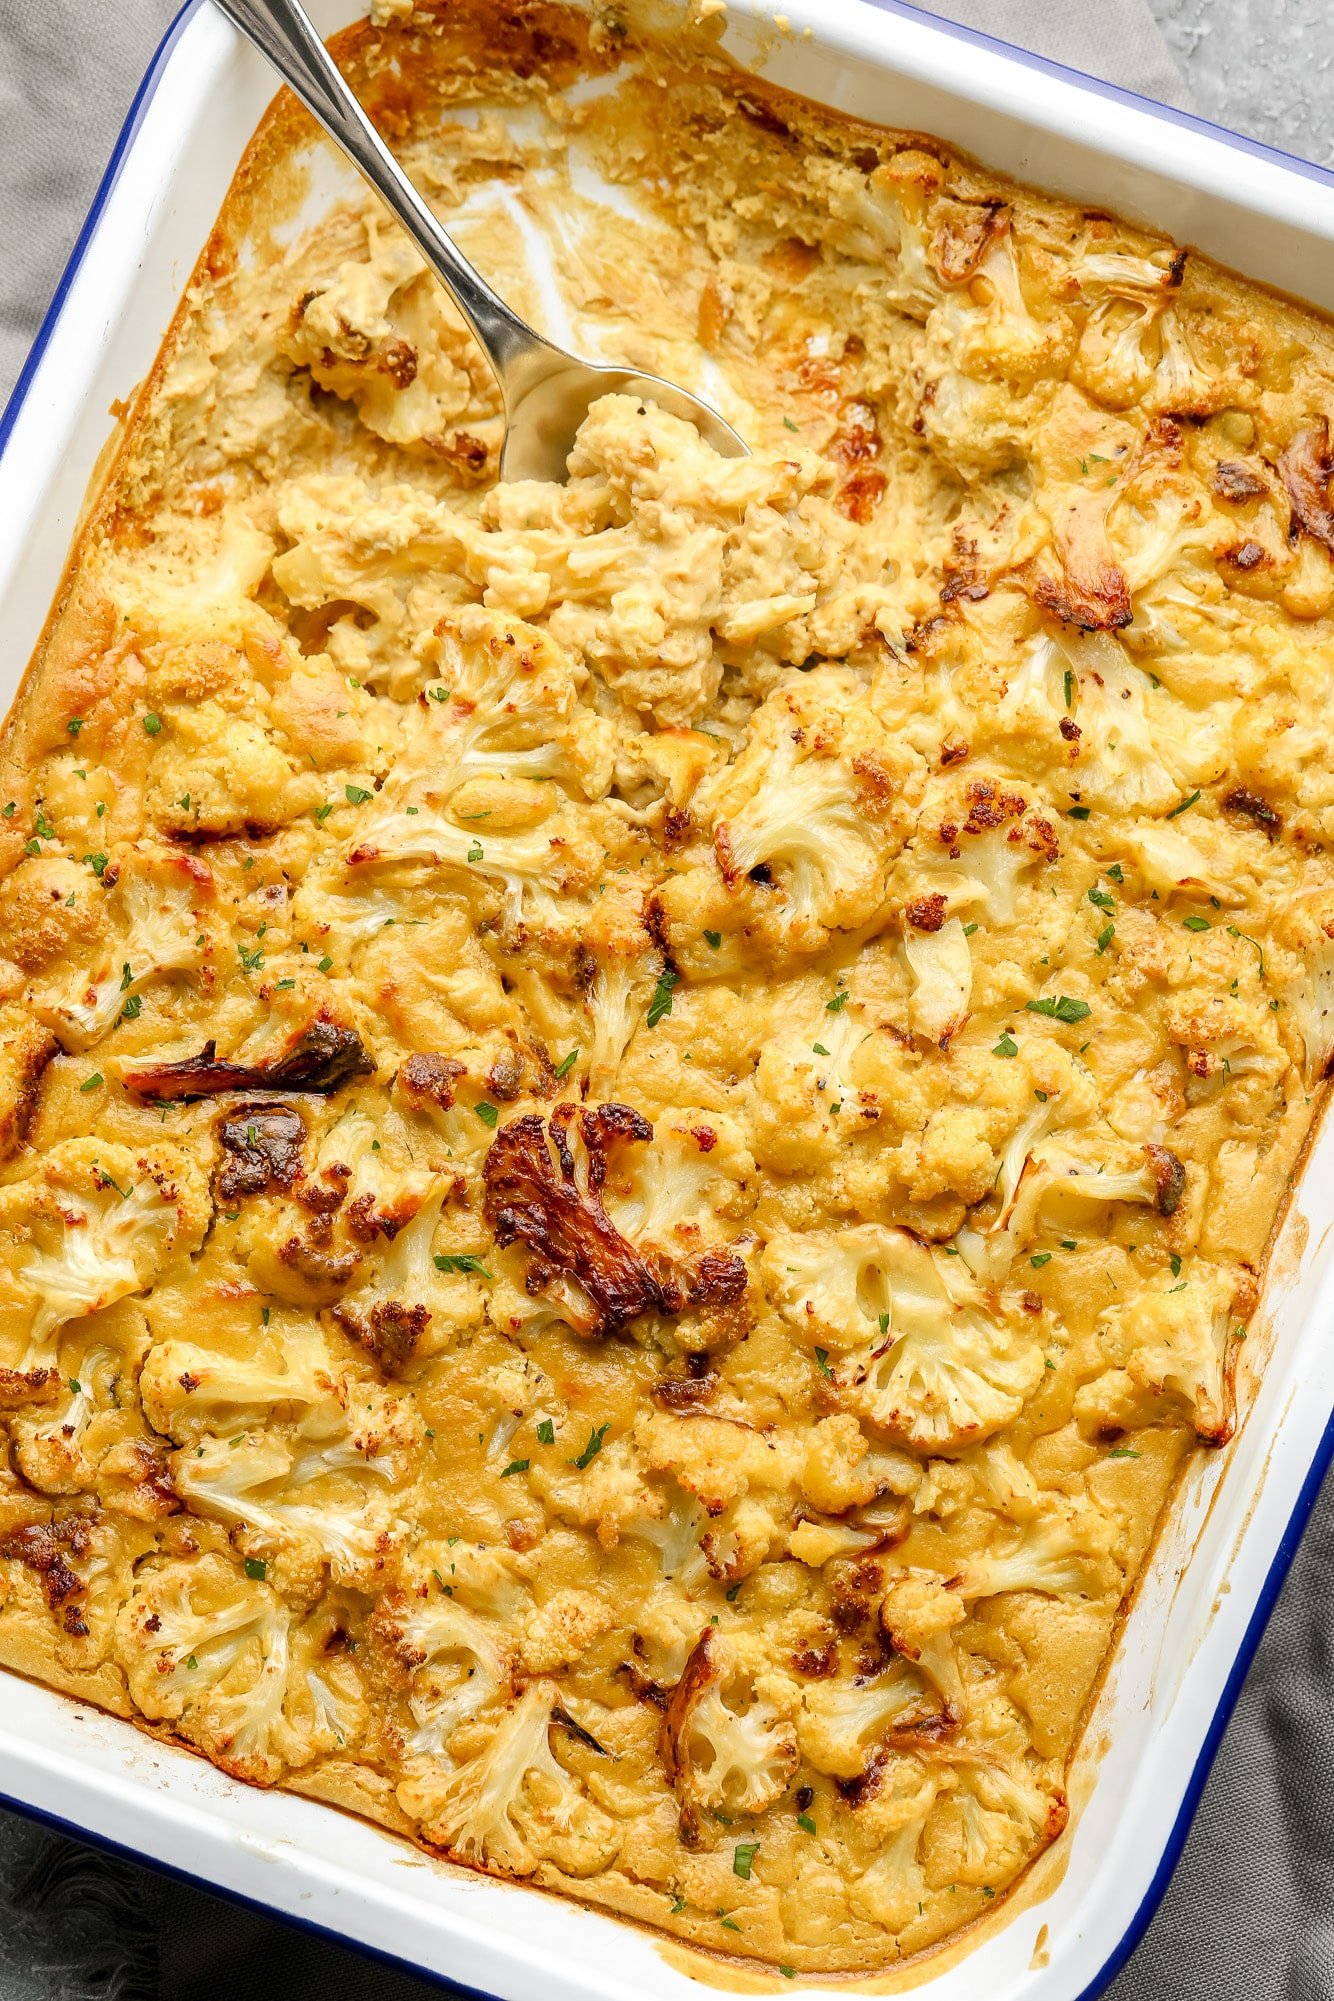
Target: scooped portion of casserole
pixel 639 1119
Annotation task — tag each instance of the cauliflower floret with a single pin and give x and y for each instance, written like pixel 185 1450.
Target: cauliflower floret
pixel 314 1489
pixel 208 1651
pixel 1306 928
pixel 717 1756
pixel 1064 1554
pixel 1057 1183
pixel 50 1452
pixel 407 1305
pixel 1172 862
pixel 942 970
pixel 1177 1342
pixel 186 1389
pixel 979 846
pixel 891 1890
pixel 1003 1811
pixel 159 914
pixel 93 1224
pixel 681 1191
pixel 458 1662
pixel 842 1724
pixel 917 1615
pixel 833 1287
pixel 511 1801
pixel 945 1372
pixel 813 803
pixel 1134 753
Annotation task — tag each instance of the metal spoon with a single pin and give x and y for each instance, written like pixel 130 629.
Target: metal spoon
pixel 546 391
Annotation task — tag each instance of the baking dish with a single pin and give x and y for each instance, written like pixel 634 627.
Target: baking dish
pixel 1186 1640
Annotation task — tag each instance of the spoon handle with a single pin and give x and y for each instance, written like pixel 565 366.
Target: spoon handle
pixel 282 31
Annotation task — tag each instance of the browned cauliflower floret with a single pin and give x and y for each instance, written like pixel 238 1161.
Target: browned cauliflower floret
pixel 917 1615
pixel 718 1756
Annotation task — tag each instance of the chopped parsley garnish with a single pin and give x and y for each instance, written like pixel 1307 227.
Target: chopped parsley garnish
pixel 1080 812
pixel 743 1855
pixel 788 424
pixel 714 939
pixel 130 1011
pixel 76 1386
pixel 1195 922
pixel 788 1972
pixel 476 853
pixel 515 1466
pixel 1183 806
pixel 325 965
pixel 1116 872
pixel 661 1002
pixel 806 1824
pixel 1105 936
pixel 818 1049
pixel 251 960
pixel 460 1261
pixel 1069 1244
pixel 1233 932
pixel 546 1432
pixel 969 929
pixel 564 1067
pixel 152 723
pixel 438 694
pixel 488 1114
pixel 822 1362
pixel 1102 897
pixel 1123 1452
pixel 126 977
pixel 356 795
pixel 1069 688
pixel 593 1447
pixel 322 812
pixel 256 1568
pixel 1060 1007
pixel 1007 1046
pixel 1040 1258
pixel 678 1905
pixel 1175 1263
pixel 728 1924
pixel 74 725
pixel 192 1662
pixel 93 1083
pixel 838 1003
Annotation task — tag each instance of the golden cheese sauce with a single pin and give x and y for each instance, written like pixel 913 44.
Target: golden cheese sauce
pixel 638 1117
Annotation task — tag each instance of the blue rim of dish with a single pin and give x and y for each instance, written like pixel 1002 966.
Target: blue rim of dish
pixel 1324 1453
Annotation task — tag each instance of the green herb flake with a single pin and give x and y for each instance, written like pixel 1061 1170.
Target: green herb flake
pixel 1069 688
pixel 476 852
pixel 661 1003
pixel 515 1466
pixel 806 1824
pixel 1184 806
pixel 1080 812
pixel 1007 1046
pixel 593 1447
pixel 488 1114
pixel 74 725
pixel 256 1569
pixel 822 1362
pixel 743 1857
pixel 678 1905
pixel 838 1003
pixel 192 1662
pixel 1195 922
pixel 1105 937
pixel 322 812
pixel 713 939
pixel 564 1067
pixel 1123 1452
pixel 356 795
pixel 728 1924
pixel 1040 1258
pixel 969 929
pixel 1069 1244
pixel 818 1049
pixel 132 1007
pixel 788 424
pixel 546 1432
pixel 1175 1262
pixel 152 723
pixel 1102 897
pixel 1060 1007
pixel 76 1386
pixel 461 1261
pixel 325 965
pixel 788 1972
pixel 93 1083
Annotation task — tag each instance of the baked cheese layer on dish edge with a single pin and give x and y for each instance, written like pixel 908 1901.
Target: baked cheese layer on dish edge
pixel 639 1119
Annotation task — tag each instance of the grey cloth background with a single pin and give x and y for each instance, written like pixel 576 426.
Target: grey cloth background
pixel 1250 1912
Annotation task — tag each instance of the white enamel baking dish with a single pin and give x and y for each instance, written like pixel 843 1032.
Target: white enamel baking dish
pixel 1227 1547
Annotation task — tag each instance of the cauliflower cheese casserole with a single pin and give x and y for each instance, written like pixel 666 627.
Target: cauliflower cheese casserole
pixel 640 1118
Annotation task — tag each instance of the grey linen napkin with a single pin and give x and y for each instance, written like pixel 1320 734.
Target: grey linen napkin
pixel 1250 1912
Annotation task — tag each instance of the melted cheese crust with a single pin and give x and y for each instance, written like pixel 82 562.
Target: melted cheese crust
pixel 638 1118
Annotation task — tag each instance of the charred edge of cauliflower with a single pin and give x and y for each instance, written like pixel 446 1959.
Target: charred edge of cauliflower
pixel 715 1756
pixel 579 1257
